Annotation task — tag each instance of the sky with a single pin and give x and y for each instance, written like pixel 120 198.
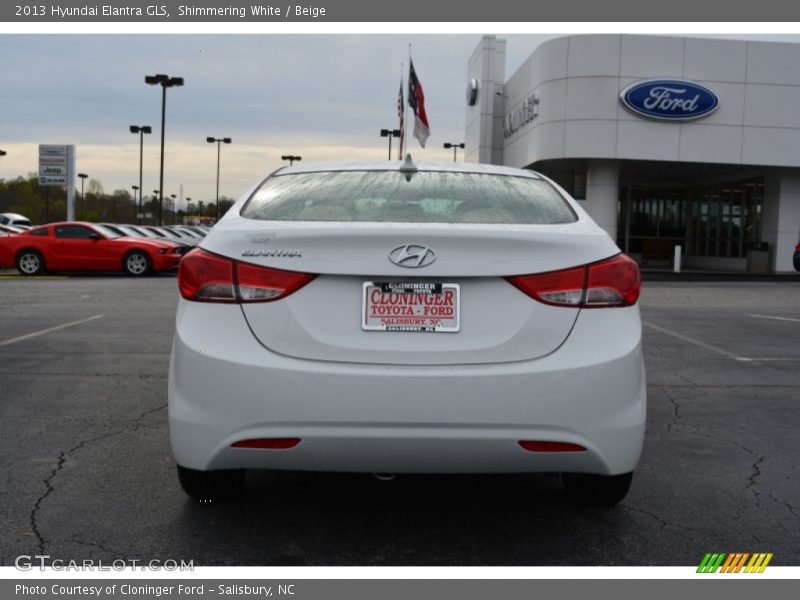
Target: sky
pixel 324 97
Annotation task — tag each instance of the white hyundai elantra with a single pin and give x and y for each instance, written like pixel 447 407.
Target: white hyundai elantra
pixel 408 318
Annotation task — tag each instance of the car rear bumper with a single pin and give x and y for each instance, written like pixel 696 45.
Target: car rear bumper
pixel 225 387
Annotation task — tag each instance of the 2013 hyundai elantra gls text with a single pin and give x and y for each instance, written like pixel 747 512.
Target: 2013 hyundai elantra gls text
pixel 408 318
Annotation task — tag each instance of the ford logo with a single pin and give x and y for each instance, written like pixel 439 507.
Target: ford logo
pixel 669 99
pixel 412 256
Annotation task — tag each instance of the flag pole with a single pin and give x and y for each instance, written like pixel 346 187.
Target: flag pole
pixel 408 98
pixel 403 116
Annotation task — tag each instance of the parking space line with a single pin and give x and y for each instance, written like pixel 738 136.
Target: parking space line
pixel 48 330
pixel 768 359
pixel 775 318
pixel 711 348
pixel 693 341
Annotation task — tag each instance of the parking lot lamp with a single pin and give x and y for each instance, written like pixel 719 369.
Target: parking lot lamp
pixel 83 177
pixel 455 148
pixel 156 198
pixel 291 158
pixel 219 142
pixel 135 189
pixel 141 130
pixel 390 133
pixel 165 81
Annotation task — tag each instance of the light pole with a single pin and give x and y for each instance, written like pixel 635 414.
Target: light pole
pixel 390 133
pixel 218 142
pixel 172 207
pixel 136 188
pixel 165 81
pixel 83 177
pixel 455 148
pixel 291 158
pixel 156 198
pixel 141 130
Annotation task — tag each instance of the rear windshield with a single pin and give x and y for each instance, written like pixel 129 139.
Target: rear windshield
pixel 392 196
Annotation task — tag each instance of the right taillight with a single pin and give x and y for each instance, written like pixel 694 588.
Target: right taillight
pixel 608 283
pixel 207 277
pixel 613 282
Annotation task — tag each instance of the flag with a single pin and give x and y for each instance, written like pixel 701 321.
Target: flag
pixel 401 106
pixel 416 100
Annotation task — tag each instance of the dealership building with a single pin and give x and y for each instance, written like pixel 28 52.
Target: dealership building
pixel 665 141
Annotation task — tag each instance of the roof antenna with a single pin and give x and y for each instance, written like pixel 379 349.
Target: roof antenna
pixel 408 167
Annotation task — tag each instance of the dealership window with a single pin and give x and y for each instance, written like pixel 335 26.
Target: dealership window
pixel 652 221
pixel 726 220
pixel 720 220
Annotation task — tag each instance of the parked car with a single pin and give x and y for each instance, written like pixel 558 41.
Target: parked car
pixel 431 318
pixel 201 231
pixel 145 231
pixel 135 232
pixel 10 229
pixel 166 234
pixel 797 257
pixel 78 246
pixel 14 219
pixel 184 231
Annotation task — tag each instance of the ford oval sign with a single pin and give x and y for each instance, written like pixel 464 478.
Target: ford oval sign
pixel 669 99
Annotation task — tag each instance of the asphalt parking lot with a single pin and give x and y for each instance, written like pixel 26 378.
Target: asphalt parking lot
pixel 87 471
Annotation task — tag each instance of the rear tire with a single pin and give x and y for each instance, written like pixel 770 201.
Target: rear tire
pixel 137 263
pixel 30 262
pixel 596 490
pixel 211 485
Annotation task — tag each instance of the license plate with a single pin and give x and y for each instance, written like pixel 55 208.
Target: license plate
pixel 411 306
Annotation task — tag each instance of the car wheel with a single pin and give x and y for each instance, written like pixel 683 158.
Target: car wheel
pixel 598 490
pixel 211 485
pixel 137 263
pixel 30 262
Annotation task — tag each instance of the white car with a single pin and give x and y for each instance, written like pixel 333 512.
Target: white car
pixel 14 219
pixel 387 318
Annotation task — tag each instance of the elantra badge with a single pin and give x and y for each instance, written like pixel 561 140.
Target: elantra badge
pixel 412 256
pixel 273 253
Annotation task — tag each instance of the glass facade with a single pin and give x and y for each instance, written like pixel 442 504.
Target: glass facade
pixel 712 211
pixel 725 221
pixel 720 220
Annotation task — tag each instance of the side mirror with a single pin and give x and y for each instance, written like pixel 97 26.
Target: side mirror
pixel 95 236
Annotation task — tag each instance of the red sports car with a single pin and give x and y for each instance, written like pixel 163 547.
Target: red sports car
pixel 77 246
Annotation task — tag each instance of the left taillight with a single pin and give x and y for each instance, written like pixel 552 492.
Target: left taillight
pixel 613 282
pixel 207 277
